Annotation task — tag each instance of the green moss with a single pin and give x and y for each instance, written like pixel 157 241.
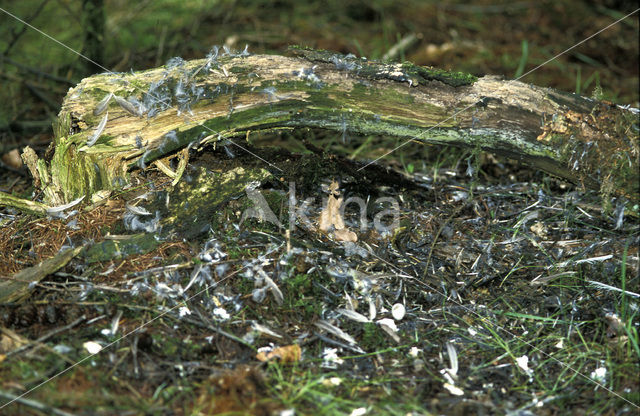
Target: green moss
pixel 394 105
pixel 421 74
pixel 300 283
pixel 123 248
pixel 277 202
pixel 138 84
pixel 81 174
pixel 194 203
pixel 373 337
pixel 61 127
pixel 405 72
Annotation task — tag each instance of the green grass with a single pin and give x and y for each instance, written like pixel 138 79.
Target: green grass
pixel 313 391
pixel 523 59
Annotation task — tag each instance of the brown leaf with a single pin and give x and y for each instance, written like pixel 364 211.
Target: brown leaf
pixel 330 215
pixel 10 340
pixel 345 235
pixel 12 159
pixel 286 354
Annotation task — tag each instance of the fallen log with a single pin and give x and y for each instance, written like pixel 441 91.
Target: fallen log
pixel 112 124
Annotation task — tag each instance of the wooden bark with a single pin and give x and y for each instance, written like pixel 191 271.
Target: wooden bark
pixel 202 101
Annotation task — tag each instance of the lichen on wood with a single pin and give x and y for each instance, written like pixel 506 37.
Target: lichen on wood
pixel 188 104
pixel 607 128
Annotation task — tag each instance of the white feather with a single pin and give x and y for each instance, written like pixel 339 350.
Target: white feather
pixel 102 105
pixel 60 208
pixel 98 131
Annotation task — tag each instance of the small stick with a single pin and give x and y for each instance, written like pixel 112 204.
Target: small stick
pixel 47 336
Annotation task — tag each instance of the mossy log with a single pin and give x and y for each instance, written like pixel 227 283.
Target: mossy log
pixel 183 104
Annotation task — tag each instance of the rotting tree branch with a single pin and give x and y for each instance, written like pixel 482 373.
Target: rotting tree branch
pixel 183 104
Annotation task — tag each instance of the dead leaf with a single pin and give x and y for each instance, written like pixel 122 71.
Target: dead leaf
pixel 345 235
pixel 331 217
pixel 286 354
pixel 12 159
pixel 334 188
pixel 10 340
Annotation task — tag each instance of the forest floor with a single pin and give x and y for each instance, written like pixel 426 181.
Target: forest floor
pixel 498 290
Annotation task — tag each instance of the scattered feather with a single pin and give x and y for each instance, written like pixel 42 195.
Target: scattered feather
pixel 98 131
pixel 61 208
pixel 264 330
pixel 353 315
pixel 456 391
pixel 453 360
pixel 126 105
pixel 523 363
pixel 332 329
pixel 175 62
pixel 599 375
pixel 275 291
pixel 73 224
pixel 115 323
pixel 612 288
pixel 102 105
pixel 330 358
pixel 184 311
pixel 389 326
pixel 137 210
pixel 259 294
pixel 372 310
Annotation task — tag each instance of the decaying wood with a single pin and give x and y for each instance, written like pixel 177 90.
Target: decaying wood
pixel 18 286
pixel 24 205
pixel 185 104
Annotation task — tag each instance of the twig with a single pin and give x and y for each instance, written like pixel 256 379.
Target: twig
pixel 37 71
pixel 16 36
pixel 402 45
pixel 213 328
pixel 36 405
pixel 42 97
pixel 328 340
pixel 46 336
